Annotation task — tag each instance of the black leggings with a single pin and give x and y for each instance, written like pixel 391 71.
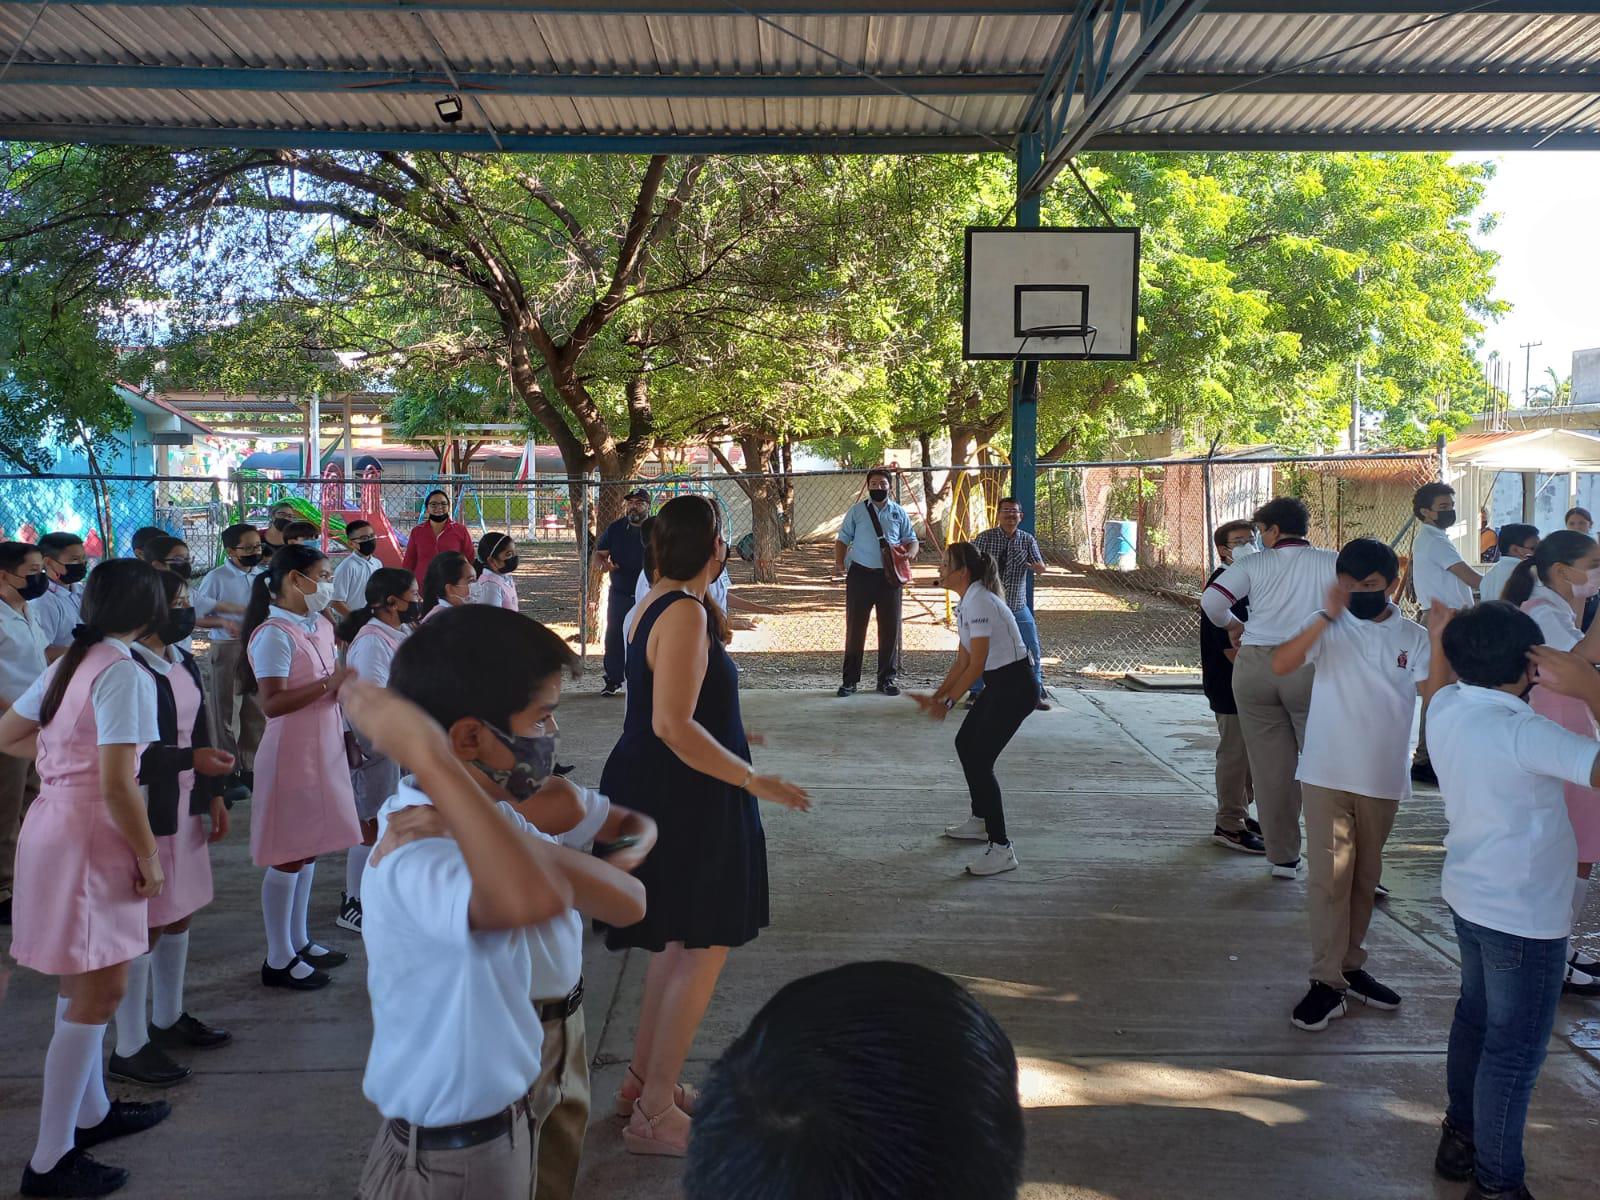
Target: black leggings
pixel 1009 695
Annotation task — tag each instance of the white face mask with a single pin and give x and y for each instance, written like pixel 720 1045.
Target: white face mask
pixel 320 599
pixel 1589 587
pixel 1241 551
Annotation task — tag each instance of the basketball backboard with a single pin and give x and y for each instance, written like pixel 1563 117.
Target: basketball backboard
pixel 1051 293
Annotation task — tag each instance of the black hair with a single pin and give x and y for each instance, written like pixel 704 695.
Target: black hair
pixel 1512 536
pixel 1487 645
pixel 142 537
pixel 1005 500
pixel 122 595
pixel 172 585
pixel 349 526
pixel 1288 514
pixel 158 548
pixel 1363 556
pixel 478 660
pixel 53 544
pixel 1221 534
pixel 880 471
pixel 1564 546
pixel 436 492
pixel 1429 492
pixel 268 585
pixel 646 527
pixel 489 545
pixel 445 569
pixel 1578 512
pixel 980 566
pixel 875 1079
pixel 383 583
pixel 300 529
pixel 12 554
pixel 234 534
pixel 683 539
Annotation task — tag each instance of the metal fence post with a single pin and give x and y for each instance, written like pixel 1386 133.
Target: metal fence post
pixel 583 574
pixel 1207 511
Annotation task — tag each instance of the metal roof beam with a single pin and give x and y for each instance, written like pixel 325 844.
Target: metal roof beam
pixel 262 79
pixel 467 141
pixel 1390 8
pixel 646 8
pixel 1369 83
pixel 1373 140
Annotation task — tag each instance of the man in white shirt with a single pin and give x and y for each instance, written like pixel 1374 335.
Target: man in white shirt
pixel 355 569
pixel 66 564
pixel 236 717
pixel 1285 584
pixel 1438 576
pixel 1353 772
pixel 1507 877
pixel 1516 542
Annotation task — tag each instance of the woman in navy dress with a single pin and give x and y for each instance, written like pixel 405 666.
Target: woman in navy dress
pixel 684 760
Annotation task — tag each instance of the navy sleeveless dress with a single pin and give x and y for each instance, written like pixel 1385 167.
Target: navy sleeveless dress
pixel 706 880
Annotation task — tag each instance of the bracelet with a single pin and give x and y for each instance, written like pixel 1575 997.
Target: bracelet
pixel 151 857
pixel 749 774
pixel 1323 614
pixel 949 704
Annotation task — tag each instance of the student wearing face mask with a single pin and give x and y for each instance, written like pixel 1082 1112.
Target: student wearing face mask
pixel 1551 586
pixel 1370 665
pixel 181 774
pixel 450 583
pixel 620 552
pixel 139 543
pixel 1439 575
pixel 1516 542
pixel 371 634
pixel 1234 827
pixel 497 559
pixel 172 554
pixel 237 719
pixel 350 577
pixel 303 805
pixel 867 534
pixel 66 563
pixel 23 648
pixel 435 535
pixel 282 515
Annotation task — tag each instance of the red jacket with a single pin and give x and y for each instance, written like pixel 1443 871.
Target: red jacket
pixel 424 545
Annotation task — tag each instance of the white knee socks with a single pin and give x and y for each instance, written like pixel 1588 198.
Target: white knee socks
pixel 277 905
pixel 168 962
pixel 302 908
pixel 131 1032
pixel 355 862
pixel 70 1062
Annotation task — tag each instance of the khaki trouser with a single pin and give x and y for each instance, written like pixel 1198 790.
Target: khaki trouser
pixel 1345 834
pixel 19 784
pixel 498 1170
pixel 1233 774
pixel 560 1104
pixel 1272 712
pixel 237 721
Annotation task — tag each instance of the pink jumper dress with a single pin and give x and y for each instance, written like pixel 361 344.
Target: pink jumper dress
pixel 185 855
pixel 74 907
pixel 1583 803
pixel 497 590
pixel 301 805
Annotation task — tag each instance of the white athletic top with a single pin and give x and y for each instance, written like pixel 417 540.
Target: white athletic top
pixel 982 614
pixel 1285 584
pixel 1363 701
pixel 124 699
pixel 556 946
pixel 1496 577
pixel 1509 855
pixel 350 579
pixel 454 1035
pixel 224 584
pixel 22 646
pixel 271 652
pixel 1432 556
pixel 1555 616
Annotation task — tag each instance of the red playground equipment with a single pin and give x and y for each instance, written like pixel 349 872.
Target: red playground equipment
pixel 336 514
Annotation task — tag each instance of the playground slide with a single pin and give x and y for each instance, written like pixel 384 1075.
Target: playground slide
pixel 390 548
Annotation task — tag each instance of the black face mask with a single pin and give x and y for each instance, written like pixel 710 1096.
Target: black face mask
pixel 73 573
pixel 282 523
pixel 1368 606
pixel 412 613
pixel 34 586
pixel 178 625
pixel 436 518
pixel 534 755
pixel 1445 519
pixel 366 547
pixel 181 569
pixel 879 495
pixel 249 561
pixel 508 566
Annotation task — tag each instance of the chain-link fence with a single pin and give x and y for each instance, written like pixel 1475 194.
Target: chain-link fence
pixel 1129 543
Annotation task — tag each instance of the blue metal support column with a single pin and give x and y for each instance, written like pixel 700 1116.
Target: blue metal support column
pixel 1025 374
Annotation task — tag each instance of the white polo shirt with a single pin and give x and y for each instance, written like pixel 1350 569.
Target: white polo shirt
pixel 1557 621
pixel 57 612
pixel 1285 584
pixel 1432 556
pixel 1363 699
pixel 1496 578
pixel 22 647
pixel 1510 852
pixel 350 579
pixel 556 946
pixel 224 584
pixel 123 697
pixel 454 1037
pixel 984 615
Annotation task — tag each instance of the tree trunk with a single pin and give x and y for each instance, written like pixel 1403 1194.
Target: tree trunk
pixel 766 496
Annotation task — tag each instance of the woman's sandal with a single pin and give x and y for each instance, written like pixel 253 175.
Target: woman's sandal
pixel 640 1136
pixel 684 1096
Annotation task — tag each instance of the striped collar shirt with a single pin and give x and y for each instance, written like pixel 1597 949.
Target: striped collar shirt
pixel 1285 586
pixel 1012 554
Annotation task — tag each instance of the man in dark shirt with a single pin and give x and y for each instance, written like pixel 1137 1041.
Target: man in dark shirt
pixel 620 551
pixel 1234 828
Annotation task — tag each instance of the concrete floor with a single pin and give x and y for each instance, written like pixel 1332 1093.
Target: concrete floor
pixel 1145 976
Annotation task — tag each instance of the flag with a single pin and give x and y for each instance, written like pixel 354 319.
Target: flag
pixel 526 468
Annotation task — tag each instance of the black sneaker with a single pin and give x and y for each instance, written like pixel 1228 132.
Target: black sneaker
pixel 321 957
pixel 1380 893
pixel 888 689
pixel 125 1118
pixel 1253 825
pixel 75 1175
pixel 349 913
pixel 1580 983
pixel 611 689
pixel 1370 992
pixel 1477 1193
pixel 1321 1005
pixel 5 911
pixel 149 1066
pixel 189 1032
pixel 1244 841
pixel 1456 1155
pixel 281 977
pixel 846 689
pixel 1422 772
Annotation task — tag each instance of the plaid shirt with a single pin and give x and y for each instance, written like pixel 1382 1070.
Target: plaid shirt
pixel 1013 555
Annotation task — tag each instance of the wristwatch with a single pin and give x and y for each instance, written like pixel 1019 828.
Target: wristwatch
pixel 949 704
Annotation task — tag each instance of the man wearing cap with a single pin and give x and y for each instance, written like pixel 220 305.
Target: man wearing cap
pixel 620 551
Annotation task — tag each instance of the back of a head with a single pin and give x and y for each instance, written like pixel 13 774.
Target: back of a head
pixel 1288 514
pixel 684 536
pixel 1487 644
pixel 1513 535
pixel 478 660
pixel 301 531
pixel 143 537
pixel 873 1081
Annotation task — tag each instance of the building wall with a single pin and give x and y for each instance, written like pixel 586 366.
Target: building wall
pixel 1586 376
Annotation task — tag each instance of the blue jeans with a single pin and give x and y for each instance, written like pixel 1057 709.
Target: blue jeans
pixel 1030 638
pixel 1509 989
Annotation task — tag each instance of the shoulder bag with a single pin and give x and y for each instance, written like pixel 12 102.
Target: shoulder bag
pixel 896 559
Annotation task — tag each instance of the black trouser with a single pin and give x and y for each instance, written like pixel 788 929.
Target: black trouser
pixel 865 589
pixel 1009 695
pixel 616 656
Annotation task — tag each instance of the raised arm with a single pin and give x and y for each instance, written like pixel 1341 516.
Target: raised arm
pixel 1440 673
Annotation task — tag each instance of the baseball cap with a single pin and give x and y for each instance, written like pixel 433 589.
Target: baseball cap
pixel 638 494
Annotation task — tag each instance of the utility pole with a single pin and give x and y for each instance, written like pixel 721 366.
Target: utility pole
pixel 1527 368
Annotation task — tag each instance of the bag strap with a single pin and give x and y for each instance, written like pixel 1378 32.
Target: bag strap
pixel 876 524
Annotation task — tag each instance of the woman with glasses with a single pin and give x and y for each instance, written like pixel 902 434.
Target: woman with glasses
pixel 436 534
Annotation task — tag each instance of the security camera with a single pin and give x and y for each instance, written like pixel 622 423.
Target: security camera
pixel 449 109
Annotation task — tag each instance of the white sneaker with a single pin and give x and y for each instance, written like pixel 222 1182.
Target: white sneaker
pixel 1286 870
pixel 973 829
pixel 994 860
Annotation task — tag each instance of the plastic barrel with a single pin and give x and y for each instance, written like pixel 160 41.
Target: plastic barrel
pixel 1122 545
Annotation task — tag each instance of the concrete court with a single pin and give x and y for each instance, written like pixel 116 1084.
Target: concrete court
pixel 1145 976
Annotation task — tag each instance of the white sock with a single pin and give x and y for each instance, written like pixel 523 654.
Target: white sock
pixel 96 1104
pixel 168 962
pixel 131 1032
pixel 302 908
pixel 73 1056
pixel 277 902
pixel 355 862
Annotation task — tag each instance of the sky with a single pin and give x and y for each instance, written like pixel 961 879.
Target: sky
pixel 1548 239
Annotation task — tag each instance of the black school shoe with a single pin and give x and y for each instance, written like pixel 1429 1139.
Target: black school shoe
pixel 888 689
pixel 1370 992
pixel 189 1033
pixel 1321 1005
pixel 150 1066
pixel 846 689
pixel 1456 1155
pixel 125 1118
pixel 281 977
pixel 322 958
pixel 75 1175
